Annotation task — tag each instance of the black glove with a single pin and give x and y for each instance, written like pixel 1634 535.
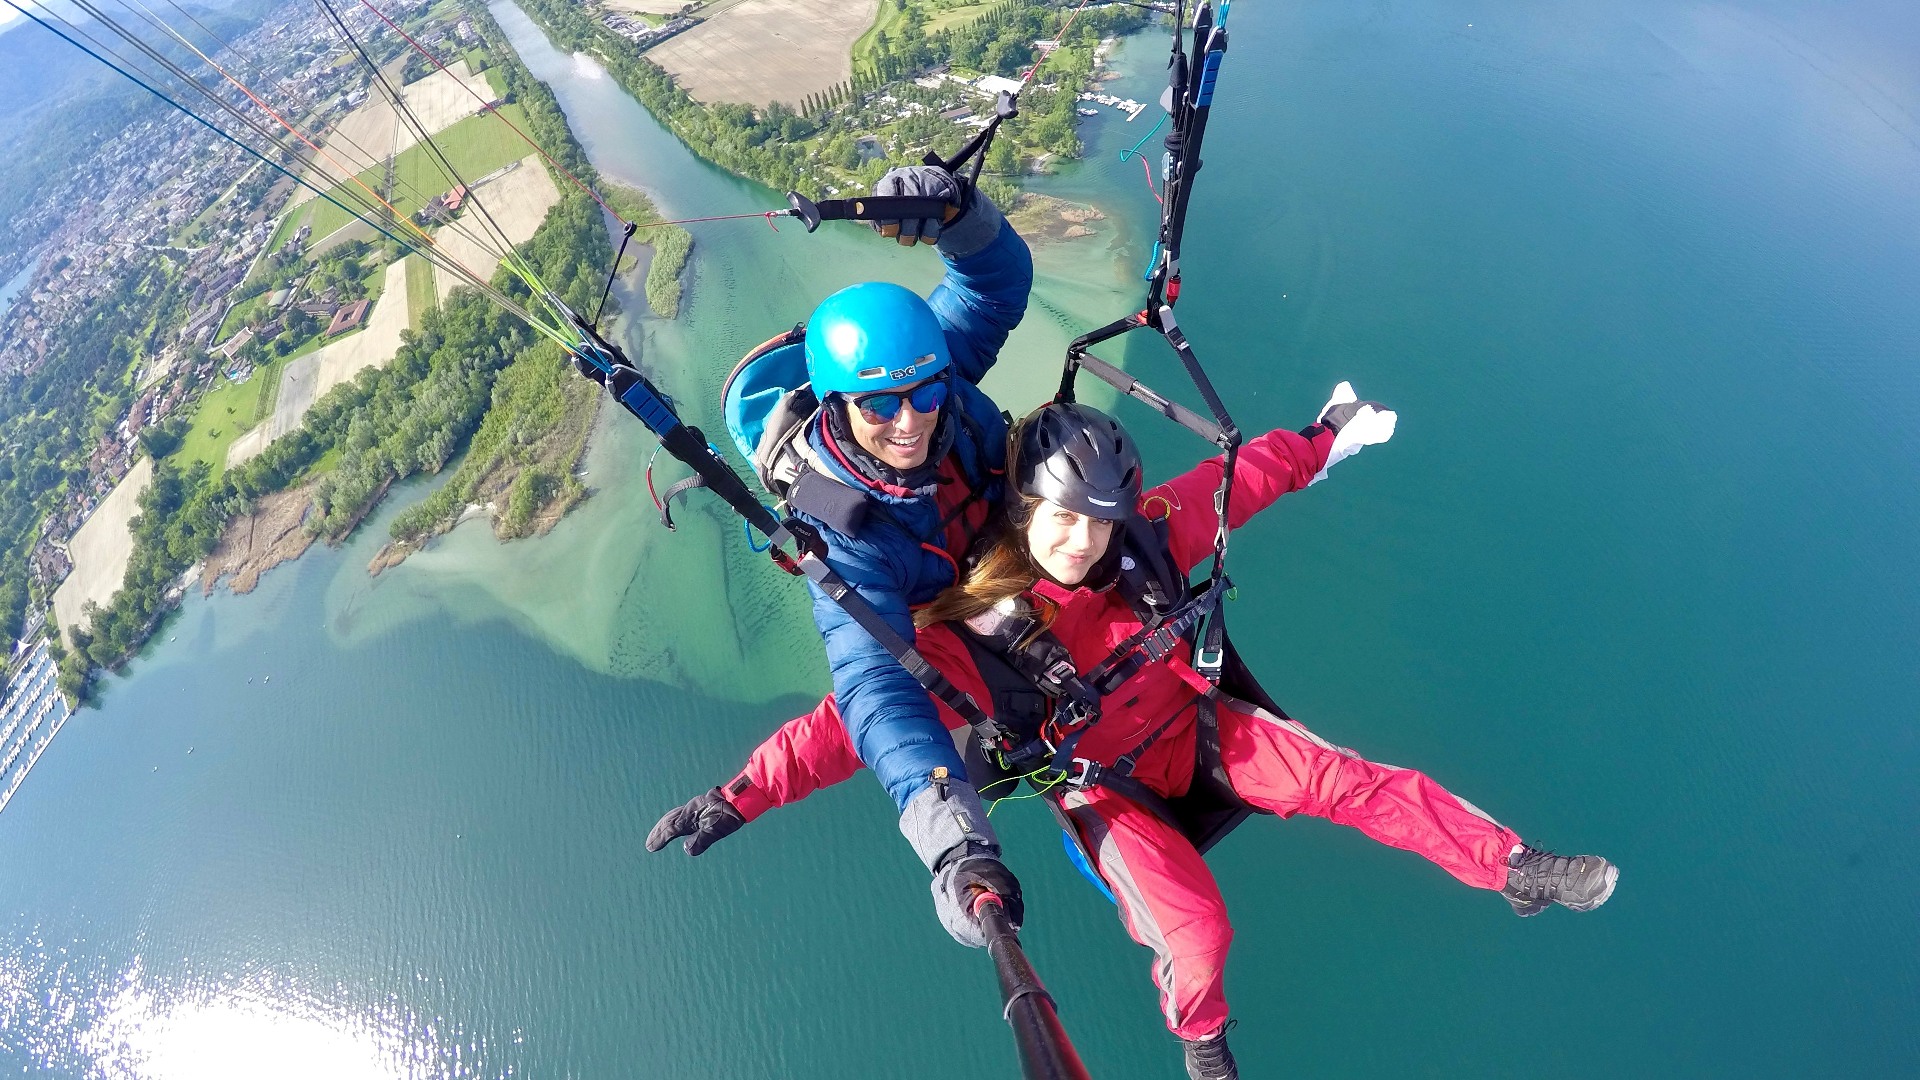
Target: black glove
pixel 954 886
pixel 1336 416
pixel 992 875
pixel 926 181
pixel 705 818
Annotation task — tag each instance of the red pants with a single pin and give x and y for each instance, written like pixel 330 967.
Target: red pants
pixel 1167 896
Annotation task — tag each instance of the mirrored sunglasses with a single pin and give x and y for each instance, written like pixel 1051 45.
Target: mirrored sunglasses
pixel 882 407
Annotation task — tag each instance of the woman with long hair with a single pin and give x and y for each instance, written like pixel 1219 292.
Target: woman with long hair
pixel 1063 581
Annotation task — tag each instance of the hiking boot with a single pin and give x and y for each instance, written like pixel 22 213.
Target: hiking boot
pixel 1209 1059
pixel 1538 878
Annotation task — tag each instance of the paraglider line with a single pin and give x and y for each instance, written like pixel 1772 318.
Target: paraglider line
pixel 488 106
pixel 1059 39
pixel 295 132
pixel 767 214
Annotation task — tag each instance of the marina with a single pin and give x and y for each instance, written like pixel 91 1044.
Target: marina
pixel 34 712
pixel 1132 108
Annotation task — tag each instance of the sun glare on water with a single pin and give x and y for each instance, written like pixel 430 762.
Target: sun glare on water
pixel 61 1013
pixel 584 67
pixel 236 1035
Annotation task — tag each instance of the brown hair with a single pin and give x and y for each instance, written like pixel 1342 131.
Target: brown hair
pixel 1006 570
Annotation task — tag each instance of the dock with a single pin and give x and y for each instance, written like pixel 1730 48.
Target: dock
pixel 33 713
pixel 1132 108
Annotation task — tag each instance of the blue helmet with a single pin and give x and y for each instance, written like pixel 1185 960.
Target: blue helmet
pixel 873 336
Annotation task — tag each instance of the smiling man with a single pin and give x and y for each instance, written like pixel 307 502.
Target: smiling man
pixel 904 463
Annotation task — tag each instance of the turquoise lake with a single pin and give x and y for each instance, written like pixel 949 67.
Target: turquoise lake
pixel 1639 573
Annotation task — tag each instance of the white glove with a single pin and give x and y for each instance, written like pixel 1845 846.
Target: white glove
pixel 1355 424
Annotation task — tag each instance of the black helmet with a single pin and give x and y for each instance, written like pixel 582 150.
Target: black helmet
pixel 1079 458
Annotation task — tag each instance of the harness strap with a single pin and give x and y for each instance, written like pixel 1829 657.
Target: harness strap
pixel 1094 774
pixel 678 487
pixel 929 677
pixel 1154 641
pixel 1128 760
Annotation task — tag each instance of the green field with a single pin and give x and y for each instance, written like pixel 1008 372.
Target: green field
pixel 956 16
pixel 420 294
pixel 227 413
pixel 475 146
pixel 891 17
pixel 230 411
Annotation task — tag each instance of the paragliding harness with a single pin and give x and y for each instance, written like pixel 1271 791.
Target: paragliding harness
pixel 1042 705
pixel 1026 658
pixel 1038 693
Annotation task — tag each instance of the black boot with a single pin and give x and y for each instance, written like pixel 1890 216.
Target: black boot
pixel 1537 878
pixel 1209 1059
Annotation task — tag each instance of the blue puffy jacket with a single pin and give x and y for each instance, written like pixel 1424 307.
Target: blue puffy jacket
pixel 895 556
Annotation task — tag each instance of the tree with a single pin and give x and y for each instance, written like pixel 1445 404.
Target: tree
pixel 163 439
pixel 1001 159
pixel 13 603
pixel 75 675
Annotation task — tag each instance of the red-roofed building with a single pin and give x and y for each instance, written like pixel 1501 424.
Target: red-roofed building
pixel 348 318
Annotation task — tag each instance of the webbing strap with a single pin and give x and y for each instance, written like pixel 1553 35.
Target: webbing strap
pixel 862 613
pixel 1098 775
pixel 678 487
pixel 1152 642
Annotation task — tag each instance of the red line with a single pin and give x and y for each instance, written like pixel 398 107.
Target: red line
pixel 282 121
pixel 487 105
pixel 1060 40
pixel 1148 169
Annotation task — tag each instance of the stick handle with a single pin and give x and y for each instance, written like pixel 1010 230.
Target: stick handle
pixel 1045 1051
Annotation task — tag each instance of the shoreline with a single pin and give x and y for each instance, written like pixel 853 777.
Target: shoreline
pixel 1044 220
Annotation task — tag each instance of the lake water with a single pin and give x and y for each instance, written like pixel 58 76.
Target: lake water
pixel 1637 574
pixel 15 285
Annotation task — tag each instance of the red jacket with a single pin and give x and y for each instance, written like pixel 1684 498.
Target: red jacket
pixel 812 751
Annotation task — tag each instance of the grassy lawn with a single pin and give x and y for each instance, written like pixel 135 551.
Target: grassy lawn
pixel 323 464
pixel 420 294
pixel 230 411
pixel 239 315
pixel 195 229
pixel 223 416
pixel 891 17
pixel 475 146
pixel 290 223
pixel 956 16
pixel 312 344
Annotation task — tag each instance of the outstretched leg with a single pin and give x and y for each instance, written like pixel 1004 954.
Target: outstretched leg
pixel 1278 765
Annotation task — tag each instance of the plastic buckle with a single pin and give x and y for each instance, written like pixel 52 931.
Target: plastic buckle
pixel 1160 643
pixel 1206 660
pixel 1072 714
